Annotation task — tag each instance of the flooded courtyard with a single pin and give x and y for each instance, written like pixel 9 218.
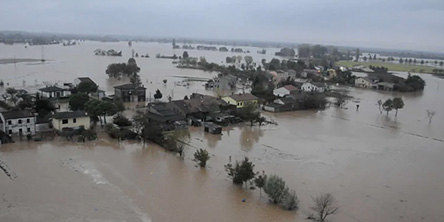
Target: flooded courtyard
pixel 378 167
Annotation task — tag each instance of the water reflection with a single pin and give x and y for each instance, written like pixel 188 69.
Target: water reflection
pixel 212 139
pixel 250 136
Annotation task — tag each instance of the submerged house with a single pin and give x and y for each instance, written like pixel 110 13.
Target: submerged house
pixel 293 101
pixel 284 90
pixel 130 93
pixel 225 82
pixel 212 128
pixel 241 100
pixel 199 106
pixel 74 119
pixel 365 82
pixel 314 87
pixel 163 113
pixel 20 122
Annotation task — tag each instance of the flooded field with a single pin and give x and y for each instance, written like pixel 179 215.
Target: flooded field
pixel 379 168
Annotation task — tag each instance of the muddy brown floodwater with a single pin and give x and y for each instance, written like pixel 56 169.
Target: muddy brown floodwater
pixel 379 168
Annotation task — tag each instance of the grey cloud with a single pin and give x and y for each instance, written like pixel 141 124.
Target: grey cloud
pixel 408 24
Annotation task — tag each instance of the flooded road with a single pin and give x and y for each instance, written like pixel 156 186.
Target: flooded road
pixel 379 168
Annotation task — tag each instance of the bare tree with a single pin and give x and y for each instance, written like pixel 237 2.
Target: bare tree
pixel 430 115
pixel 323 206
pixel 380 106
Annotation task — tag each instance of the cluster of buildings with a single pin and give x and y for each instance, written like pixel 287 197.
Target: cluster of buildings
pixel 28 122
pixel 198 110
pixel 291 97
pixel 373 83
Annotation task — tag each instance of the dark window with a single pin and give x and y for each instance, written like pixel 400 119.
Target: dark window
pixel 9 122
pixel 20 131
pixel 10 131
pixel 28 120
pixel 29 129
pixel 19 121
pixel 74 120
pixel 64 121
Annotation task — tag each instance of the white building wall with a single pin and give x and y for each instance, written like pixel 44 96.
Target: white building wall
pixel 15 126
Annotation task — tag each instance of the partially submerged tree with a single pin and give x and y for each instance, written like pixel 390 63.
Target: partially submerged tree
pixel 260 181
pixel 97 108
pixel 430 115
pixel 121 120
pixel 185 55
pixel 241 172
pixel 290 201
pixel 323 206
pixel 398 103
pixel 388 105
pixel 380 106
pixel 201 156
pixel 275 188
pixel 279 193
pixel 158 94
pixel 341 100
pixel 11 95
pixel 118 70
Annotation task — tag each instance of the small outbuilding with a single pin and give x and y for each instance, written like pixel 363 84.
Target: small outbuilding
pixel 212 128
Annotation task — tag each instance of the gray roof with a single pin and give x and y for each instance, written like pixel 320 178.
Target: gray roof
pixel 287 100
pixel 318 84
pixel 16 114
pixel 129 86
pixel 67 115
pixel 52 89
pixel 243 97
pixel 86 79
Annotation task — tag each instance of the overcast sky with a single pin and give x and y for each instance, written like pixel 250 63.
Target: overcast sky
pixel 398 24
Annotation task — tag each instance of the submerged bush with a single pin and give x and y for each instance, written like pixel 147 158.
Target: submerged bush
pixel 278 193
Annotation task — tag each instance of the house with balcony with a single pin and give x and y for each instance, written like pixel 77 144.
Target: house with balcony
pixel 54 92
pixel 130 93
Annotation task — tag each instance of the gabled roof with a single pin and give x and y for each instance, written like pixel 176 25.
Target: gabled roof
pixel 366 79
pixel 16 114
pixel 52 89
pixel 287 100
pixel 290 87
pixel 129 86
pixel 68 115
pixel 243 97
pixel 180 104
pixel 162 112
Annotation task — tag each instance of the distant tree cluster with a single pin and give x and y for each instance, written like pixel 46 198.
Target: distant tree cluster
pixel 119 70
pixel 286 52
pixel 379 69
